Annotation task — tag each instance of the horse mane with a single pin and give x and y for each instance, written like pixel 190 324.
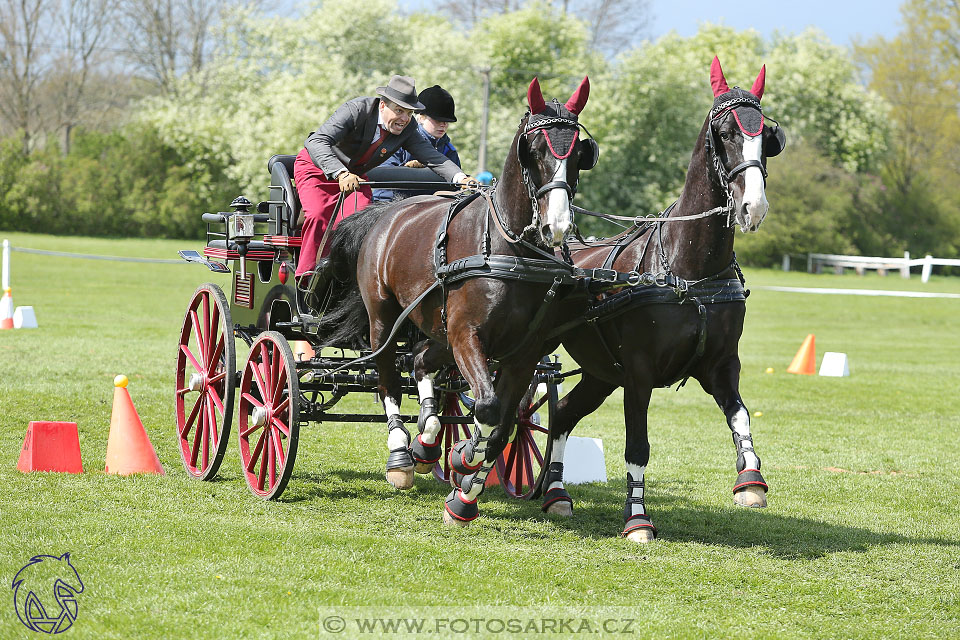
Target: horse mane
pixel 345 322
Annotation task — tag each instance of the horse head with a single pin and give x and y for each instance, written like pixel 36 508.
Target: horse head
pixel 552 153
pixel 739 141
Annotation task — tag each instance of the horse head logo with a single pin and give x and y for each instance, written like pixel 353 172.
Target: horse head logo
pixel 45 593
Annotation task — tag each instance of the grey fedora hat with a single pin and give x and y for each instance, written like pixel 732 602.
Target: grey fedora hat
pixel 402 91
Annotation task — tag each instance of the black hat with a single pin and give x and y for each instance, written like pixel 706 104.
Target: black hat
pixel 438 104
pixel 402 91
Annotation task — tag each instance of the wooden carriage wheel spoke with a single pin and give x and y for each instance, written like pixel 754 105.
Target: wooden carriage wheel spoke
pixel 272 464
pixel 199 333
pixel 197 432
pixel 212 422
pixel 532 447
pixel 214 362
pixel 255 454
pixel 262 476
pixel 280 426
pixel 257 378
pixel 190 419
pixel 277 454
pixel 217 402
pixel 193 361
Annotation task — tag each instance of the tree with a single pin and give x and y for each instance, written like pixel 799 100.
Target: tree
pixel 167 38
pixel 917 72
pixel 22 27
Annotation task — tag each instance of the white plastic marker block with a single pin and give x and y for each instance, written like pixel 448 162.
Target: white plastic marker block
pixel 583 461
pixel 834 364
pixel 24 318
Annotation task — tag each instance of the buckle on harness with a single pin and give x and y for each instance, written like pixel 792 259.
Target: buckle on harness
pixel 605 275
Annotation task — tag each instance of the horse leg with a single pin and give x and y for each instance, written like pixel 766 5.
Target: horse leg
pixel 512 382
pixel 399 461
pixel 426 447
pixel 582 400
pixel 750 489
pixel 638 526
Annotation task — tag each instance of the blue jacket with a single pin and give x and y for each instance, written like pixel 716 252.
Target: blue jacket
pixel 402 156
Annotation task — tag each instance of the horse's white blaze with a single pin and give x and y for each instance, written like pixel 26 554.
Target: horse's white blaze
pixel 636 471
pixel 741 424
pixel 432 427
pixel 396 438
pixel 558 207
pixel 754 206
pixel 556 455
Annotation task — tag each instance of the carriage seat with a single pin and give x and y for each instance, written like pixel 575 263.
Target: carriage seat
pixel 287 215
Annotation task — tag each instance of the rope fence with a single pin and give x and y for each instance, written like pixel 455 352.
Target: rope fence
pixel 89 256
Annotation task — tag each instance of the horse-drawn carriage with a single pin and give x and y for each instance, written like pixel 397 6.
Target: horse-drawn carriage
pixel 493 282
pixel 276 390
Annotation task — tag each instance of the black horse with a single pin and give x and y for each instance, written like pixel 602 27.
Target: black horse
pixel 687 317
pixel 469 275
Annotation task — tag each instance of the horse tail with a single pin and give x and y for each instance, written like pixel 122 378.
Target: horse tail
pixel 345 322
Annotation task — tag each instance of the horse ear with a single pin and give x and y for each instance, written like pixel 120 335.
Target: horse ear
pixel 535 97
pixel 578 100
pixel 757 89
pixel 717 81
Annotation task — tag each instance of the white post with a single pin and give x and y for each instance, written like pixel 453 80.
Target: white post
pixel 927 267
pixel 905 269
pixel 6 264
pixel 786 262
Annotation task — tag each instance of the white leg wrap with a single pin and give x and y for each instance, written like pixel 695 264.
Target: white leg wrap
pixel 432 427
pixel 741 424
pixel 636 472
pixel 477 486
pixel 485 431
pixel 396 439
pixel 556 455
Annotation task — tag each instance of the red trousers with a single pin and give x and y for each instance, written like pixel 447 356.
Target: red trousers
pixel 318 199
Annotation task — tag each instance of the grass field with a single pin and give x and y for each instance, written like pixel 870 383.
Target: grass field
pixel 861 538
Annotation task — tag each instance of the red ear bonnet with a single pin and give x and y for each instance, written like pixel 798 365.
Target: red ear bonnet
pixel 757 89
pixel 535 97
pixel 578 100
pixel 717 81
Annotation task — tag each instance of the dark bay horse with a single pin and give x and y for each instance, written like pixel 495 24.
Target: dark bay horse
pixel 470 275
pixel 688 320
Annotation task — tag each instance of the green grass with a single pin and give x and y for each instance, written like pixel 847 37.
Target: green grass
pixel 861 538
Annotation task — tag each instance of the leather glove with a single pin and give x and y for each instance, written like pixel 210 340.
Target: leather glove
pixel 414 164
pixel 348 182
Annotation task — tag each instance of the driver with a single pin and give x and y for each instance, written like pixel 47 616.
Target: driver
pixel 360 135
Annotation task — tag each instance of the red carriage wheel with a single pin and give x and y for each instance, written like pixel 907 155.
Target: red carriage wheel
pixel 521 466
pixel 205 382
pixel 451 406
pixel 269 420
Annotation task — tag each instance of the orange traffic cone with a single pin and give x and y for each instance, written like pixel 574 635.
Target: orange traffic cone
pixel 805 360
pixel 128 448
pixel 6 310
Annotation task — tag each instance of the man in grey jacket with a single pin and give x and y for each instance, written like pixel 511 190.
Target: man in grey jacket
pixel 360 135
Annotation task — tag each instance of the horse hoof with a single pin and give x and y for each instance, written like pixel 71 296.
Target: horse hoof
pixel 450 521
pixel 401 479
pixel 643 535
pixel 423 468
pixel 751 496
pixel 560 508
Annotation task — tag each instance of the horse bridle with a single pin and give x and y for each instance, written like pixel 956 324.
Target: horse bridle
pixel 533 193
pixel 725 176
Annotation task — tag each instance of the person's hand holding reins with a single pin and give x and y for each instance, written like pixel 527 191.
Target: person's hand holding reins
pixel 414 164
pixel 348 182
pixel 468 182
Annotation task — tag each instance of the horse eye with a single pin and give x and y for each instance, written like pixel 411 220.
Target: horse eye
pixel 724 135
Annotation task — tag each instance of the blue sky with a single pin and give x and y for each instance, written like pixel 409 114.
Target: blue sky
pixel 841 20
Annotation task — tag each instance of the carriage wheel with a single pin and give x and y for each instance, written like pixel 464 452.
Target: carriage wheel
pixel 520 466
pixel 269 419
pixel 205 382
pixel 451 405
